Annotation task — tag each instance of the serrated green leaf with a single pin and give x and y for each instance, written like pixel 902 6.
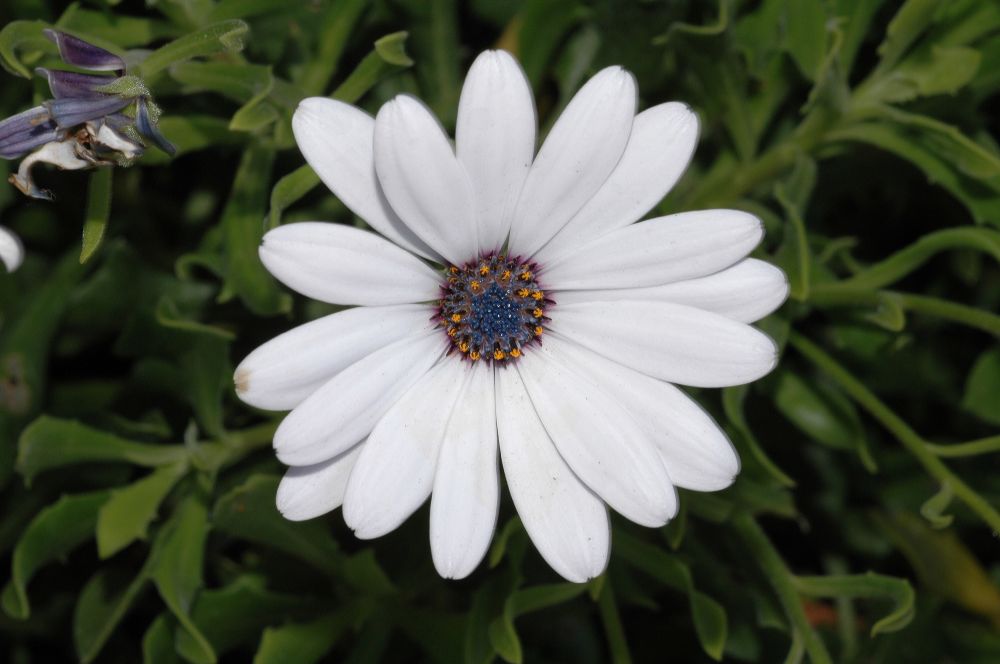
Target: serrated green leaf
pixel 176 569
pixel 103 602
pixel 912 19
pixel 50 443
pixel 57 530
pixel 126 515
pixel 216 38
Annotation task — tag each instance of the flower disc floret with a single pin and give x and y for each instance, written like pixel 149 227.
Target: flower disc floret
pixel 492 308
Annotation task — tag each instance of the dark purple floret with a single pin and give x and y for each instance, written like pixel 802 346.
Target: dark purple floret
pixel 71 84
pixel 22 133
pixel 148 129
pixel 69 112
pixel 84 55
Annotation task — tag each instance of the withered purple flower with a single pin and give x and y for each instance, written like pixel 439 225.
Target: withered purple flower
pixel 93 120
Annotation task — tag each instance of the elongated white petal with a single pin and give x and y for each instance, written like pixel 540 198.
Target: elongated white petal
pixel 337 140
pixel 346 408
pixel 344 265
pixel 423 180
pixel 596 435
pixel 658 251
pixel 566 521
pixel 306 492
pixel 466 487
pixel 395 473
pixel 579 153
pixel 746 292
pixel 659 149
pixel 672 342
pixel 281 373
pixel 495 140
pixel 11 250
pixel 696 452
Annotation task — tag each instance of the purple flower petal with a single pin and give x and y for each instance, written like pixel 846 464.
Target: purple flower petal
pixel 69 112
pixel 72 84
pixel 25 131
pixel 76 52
pixel 149 130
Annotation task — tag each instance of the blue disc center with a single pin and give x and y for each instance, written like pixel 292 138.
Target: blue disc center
pixel 495 314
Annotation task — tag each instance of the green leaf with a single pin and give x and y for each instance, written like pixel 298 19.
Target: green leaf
pixel 158 642
pixel 389 57
pixel 542 26
pixel 103 602
pixel 177 560
pixel 303 643
pixel 806 35
pixel 236 614
pixel 732 404
pixel 243 228
pixel 22 36
pixel 239 82
pixel 126 516
pixel 290 189
pixel 338 21
pixel 794 255
pixel 50 443
pixel 939 70
pixel 224 36
pixel 226 9
pixel 982 387
pixel 57 530
pixel 115 28
pixel 248 512
pixel 933 509
pixel 912 19
pixel 98 210
pixel 191 133
pixel 866 585
pixel 709 617
pixel 504 637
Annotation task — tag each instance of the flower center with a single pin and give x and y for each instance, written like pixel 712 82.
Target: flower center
pixel 492 308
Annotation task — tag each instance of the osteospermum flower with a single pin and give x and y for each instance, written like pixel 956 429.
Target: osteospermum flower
pixel 510 304
pixel 11 251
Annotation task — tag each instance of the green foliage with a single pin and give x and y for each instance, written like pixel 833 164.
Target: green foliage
pixel 139 518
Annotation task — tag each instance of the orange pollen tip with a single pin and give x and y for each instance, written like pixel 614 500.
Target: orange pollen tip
pixel 456 318
pixel 538 330
pixel 515 352
pixel 474 355
pixel 537 295
pixel 475 286
pixel 484 270
pixel 526 275
pixel 537 313
pixel 505 275
pixel 464 347
pixel 499 354
pixel 452 331
pixel 523 292
pixel 453 269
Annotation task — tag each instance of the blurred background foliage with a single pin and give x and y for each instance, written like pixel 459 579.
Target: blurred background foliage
pixel 137 495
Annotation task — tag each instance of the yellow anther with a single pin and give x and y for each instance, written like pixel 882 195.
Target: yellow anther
pixel 453 269
pixel 505 275
pixel 537 313
pixel 523 292
pixel 484 270
pixel 515 352
pixel 526 275
pixel 475 286
pixel 474 355
pixel 452 331
pixel 456 318
pixel 537 295
pixel 464 346
pixel 538 330
pixel 499 354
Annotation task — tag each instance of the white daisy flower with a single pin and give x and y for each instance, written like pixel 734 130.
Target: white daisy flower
pixel 11 250
pixel 509 305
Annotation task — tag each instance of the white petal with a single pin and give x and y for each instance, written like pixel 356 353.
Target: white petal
pixel 495 140
pixel 659 149
pixel 280 374
pixel 395 473
pixel 597 436
pixel 346 408
pixel 306 492
pixel 696 452
pixel 658 251
pixel 11 250
pixel 579 153
pixel 565 520
pixel 668 341
pixel 337 140
pixel 466 487
pixel 746 292
pixel 345 265
pixel 423 180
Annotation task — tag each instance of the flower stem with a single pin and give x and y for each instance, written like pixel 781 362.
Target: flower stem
pixel 971 448
pixel 909 438
pixel 759 548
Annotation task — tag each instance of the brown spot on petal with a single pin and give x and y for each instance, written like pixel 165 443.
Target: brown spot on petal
pixel 242 380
